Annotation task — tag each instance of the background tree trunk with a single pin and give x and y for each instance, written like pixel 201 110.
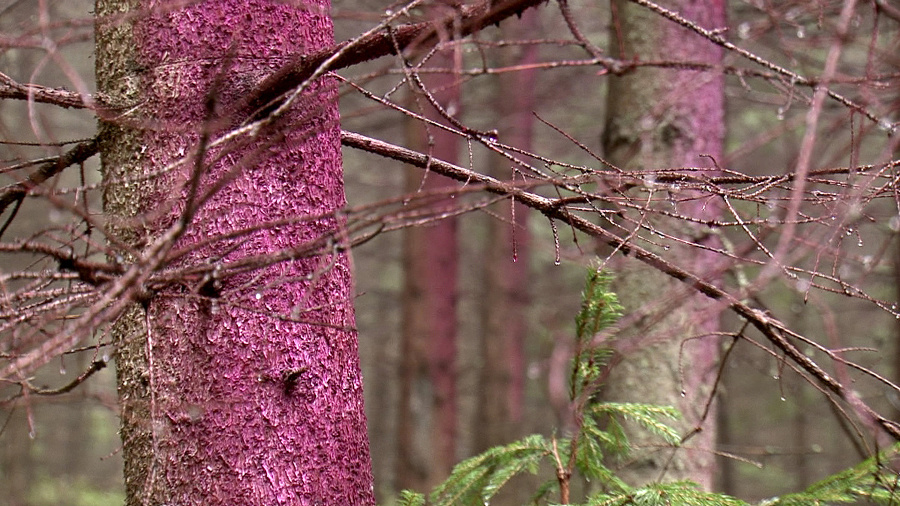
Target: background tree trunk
pixel 660 118
pixel 893 397
pixel 243 388
pixel 507 255
pixel 17 463
pixel 428 404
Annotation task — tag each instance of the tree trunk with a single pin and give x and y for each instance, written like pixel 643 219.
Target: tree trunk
pixel 236 387
pixel 16 461
pixel 668 118
pixel 893 397
pixel 506 298
pixel 427 422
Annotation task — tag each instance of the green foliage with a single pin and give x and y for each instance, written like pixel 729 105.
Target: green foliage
pixel 591 447
pixel 478 479
pixel 600 307
pixel 599 434
pixel 657 494
pixel 410 498
pixel 869 481
pixel 648 416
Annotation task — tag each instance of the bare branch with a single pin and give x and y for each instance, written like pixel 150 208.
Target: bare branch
pixel 713 35
pixel 773 329
pixel 80 153
pixel 9 88
pixel 470 19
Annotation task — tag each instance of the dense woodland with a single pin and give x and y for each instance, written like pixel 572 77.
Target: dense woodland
pixel 731 166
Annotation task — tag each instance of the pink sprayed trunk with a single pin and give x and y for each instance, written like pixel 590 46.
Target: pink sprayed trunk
pixel 239 386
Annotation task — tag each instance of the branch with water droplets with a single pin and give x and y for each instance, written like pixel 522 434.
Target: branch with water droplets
pixel 773 329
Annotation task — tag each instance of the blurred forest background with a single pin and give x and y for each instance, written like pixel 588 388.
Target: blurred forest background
pixel 461 346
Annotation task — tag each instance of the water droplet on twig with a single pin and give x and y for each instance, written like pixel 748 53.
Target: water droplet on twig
pixel 887 125
pixel 555 241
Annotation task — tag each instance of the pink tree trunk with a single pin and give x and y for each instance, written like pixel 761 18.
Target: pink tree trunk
pixel 239 386
pixel 508 254
pixel 426 442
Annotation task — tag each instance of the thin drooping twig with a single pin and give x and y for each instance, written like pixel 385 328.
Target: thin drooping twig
pixel 471 19
pixel 806 150
pixel 112 301
pixel 588 46
pixel 379 43
pixel 555 209
pixel 28 388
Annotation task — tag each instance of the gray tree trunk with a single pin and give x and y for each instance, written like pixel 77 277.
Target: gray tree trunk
pixel 668 118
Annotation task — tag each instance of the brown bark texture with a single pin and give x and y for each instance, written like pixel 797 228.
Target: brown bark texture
pixel 668 118
pixel 241 387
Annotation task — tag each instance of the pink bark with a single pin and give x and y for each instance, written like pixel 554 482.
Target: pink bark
pixel 441 295
pixel 430 320
pixel 518 111
pixel 256 394
pixel 504 316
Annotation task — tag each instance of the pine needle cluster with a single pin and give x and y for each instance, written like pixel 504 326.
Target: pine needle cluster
pixel 599 435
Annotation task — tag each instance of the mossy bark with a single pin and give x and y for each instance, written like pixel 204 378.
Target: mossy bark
pixel 668 118
pixel 121 161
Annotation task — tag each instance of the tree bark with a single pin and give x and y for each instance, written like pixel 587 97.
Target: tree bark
pixel 662 118
pixel 244 387
pixel 427 422
pixel 506 296
pixel 893 398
